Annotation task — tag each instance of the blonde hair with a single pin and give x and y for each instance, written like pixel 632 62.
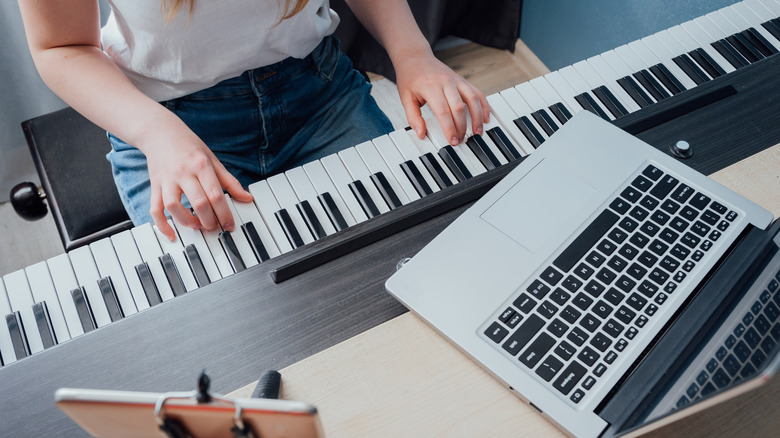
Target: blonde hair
pixel 171 7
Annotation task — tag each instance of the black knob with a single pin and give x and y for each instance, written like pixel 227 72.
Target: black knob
pixel 27 201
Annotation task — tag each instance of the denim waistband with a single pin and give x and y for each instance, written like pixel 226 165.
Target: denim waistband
pixel 266 77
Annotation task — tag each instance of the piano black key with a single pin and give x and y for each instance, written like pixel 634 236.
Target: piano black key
pixel 231 250
pixel 148 284
pixel 610 101
pixel 386 190
pixel 668 78
pixel 436 171
pixel 648 81
pixel 544 120
pixel 196 263
pixel 772 28
pixel 415 177
pixel 453 161
pixel 109 297
pixel 172 274
pixel 707 63
pixel 529 131
pixel 254 241
pixel 745 48
pixel 332 210
pixel 759 42
pixel 589 104
pixel 483 152
pixel 730 53
pixel 561 112
pixel 362 196
pixel 503 143
pixel 83 309
pixel 691 69
pixel 18 336
pixel 45 327
pixel 635 91
pixel 312 222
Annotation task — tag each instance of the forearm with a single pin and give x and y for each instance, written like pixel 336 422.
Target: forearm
pixel 392 24
pixel 87 80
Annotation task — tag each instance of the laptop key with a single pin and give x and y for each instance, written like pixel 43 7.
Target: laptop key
pixel 586 240
pixel 569 378
pixel 538 348
pixel 496 332
pixel 550 367
pixel 523 334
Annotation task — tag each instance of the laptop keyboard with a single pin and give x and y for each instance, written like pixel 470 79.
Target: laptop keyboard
pixel 744 350
pixel 571 323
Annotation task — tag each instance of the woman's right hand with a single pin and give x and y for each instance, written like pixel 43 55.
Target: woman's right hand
pixel 179 164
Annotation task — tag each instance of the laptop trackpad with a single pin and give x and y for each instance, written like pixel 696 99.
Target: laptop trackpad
pixel 538 205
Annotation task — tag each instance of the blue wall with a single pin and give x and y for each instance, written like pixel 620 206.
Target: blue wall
pixel 562 32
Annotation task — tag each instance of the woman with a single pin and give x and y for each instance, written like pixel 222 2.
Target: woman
pixel 201 96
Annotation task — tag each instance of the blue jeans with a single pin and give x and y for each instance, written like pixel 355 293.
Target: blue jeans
pixel 266 121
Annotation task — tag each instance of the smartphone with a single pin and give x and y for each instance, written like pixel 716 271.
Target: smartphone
pixel 109 414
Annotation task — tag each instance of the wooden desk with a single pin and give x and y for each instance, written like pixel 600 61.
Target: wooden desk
pixel 403 379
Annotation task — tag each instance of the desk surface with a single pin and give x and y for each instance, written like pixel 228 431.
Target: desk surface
pixel 402 378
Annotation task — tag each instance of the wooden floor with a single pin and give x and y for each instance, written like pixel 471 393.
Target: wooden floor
pixel 25 243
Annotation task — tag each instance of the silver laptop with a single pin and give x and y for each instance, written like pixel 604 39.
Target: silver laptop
pixel 561 278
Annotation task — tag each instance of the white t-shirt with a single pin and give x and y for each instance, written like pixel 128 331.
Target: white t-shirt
pixel 220 40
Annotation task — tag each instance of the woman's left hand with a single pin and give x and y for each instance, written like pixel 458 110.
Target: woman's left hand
pixel 424 79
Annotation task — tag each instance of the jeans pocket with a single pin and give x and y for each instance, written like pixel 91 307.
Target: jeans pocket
pixel 325 57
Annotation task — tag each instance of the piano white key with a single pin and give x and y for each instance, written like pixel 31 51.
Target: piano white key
pixel 723 23
pixel 87 276
pixel 666 55
pixel 65 281
pixel 341 179
pixel 731 13
pixel 287 199
pixel 150 251
pixel 388 153
pixel 242 243
pixel 636 64
pixel 6 345
pixel 191 236
pixel 249 214
pixel 595 79
pixel 220 258
pixel 705 37
pixel 176 251
pixel 304 190
pixel 565 90
pixel 43 290
pixel 581 86
pixel 602 67
pixel 501 111
pixel 436 136
pixel 129 258
pixel 323 183
pixel 409 152
pixel 773 6
pixel 687 41
pixel 376 164
pixel 267 205
pixel 548 94
pixel 20 299
pixel 358 171
pixel 108 266
pixel 424 146
pixel 648 59
pixel 755 20
pixel 521 108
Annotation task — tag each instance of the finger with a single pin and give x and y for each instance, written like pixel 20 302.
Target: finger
pixel 458 109
pixel 231 184
pixel 216 198
pixel 441 109
pixel 172 201
pixel 474 105
pixel 200 203
pixel 413 114
pixel 485 107
pixel 157 211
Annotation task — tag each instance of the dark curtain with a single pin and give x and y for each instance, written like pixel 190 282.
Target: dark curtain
pixel 494 23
